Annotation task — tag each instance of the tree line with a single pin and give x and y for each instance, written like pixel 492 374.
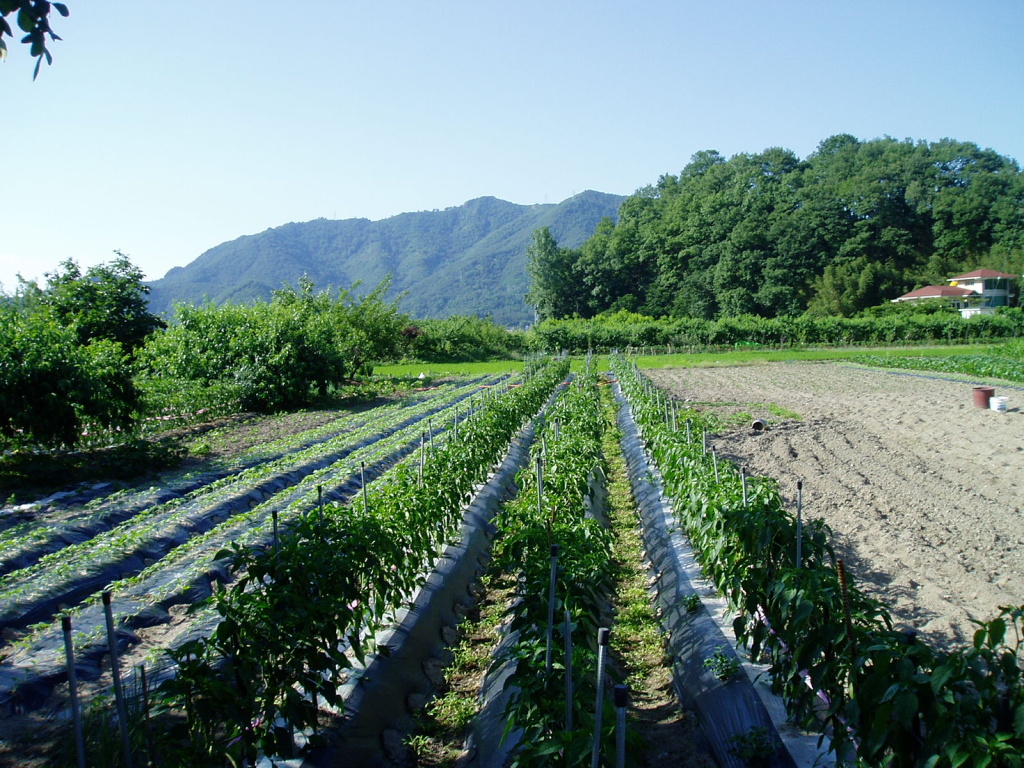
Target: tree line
pixel 854 224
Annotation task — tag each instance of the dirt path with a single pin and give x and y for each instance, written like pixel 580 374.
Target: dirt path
pixel 923 491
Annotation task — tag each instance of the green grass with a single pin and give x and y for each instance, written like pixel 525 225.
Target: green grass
pixel 439 370
pixel 749 357
pixel 684 360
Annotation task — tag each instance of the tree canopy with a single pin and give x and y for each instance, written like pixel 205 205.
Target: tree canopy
pixel 853 224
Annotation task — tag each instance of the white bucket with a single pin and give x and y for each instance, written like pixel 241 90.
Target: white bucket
pixel 999 404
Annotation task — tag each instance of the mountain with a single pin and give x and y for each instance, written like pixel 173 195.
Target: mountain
pixel 469 259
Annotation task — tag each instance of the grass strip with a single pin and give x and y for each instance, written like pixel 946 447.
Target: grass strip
pixel 638 644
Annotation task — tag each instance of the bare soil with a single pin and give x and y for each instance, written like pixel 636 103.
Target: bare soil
pixel 923 490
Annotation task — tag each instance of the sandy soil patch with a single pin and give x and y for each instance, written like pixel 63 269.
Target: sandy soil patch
pixel 924 491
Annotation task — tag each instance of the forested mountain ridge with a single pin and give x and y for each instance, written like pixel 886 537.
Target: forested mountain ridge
pixel 852 225
pixel 468 259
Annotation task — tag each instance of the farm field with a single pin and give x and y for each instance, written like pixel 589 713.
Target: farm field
pixel 154 546
pixel 921 488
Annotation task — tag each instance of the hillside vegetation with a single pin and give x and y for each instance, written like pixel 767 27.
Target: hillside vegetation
pixel 465 260
pixel 768 234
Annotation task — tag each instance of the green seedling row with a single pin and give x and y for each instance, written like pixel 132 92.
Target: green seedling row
pixel 55 574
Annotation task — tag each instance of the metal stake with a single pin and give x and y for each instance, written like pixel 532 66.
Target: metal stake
pixel 150 749
pixel 115 674
pixel 362 480
pixel 603 635
pixel 621 695
pixel 277 539
pixel 799 523
pixel 76 712
pixel 568 671
pixel 423 447
pixel 551 607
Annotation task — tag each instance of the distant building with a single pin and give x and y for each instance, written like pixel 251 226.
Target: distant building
pixel 978 292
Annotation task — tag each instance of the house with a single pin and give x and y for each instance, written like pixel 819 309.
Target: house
pixel 978 292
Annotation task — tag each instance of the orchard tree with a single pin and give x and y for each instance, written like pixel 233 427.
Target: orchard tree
pixel 108 301
pixel 52 387
pixel 33 18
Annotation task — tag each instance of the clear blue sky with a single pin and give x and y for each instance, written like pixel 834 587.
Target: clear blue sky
pixel 165 128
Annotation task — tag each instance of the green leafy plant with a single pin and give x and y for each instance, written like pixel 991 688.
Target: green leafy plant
pixel 755 748
pixel 725 666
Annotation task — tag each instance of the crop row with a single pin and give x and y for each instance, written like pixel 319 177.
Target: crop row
pixel 984 366
pixel 28 542
pixel 186 575
pixel 64 577
pixel 300 612
pixel 889 699
pixel 559 555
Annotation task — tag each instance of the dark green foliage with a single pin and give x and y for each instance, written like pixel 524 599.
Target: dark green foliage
pixel 107 302
pixel 772 235
pixel 465 260
pixel 33 18
pixel 1006 363
pixel 282 354
pixel 52 387
pixel 459 339
pixel 622 330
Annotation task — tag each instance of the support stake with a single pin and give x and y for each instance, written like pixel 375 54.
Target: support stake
pixel 362 480
pixel 799 523
pixel 568 671
pixel 603 635
pixel 621 695
pixel 76 711
pixel 551 607
pixel 115 674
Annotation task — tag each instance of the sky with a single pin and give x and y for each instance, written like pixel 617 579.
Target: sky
pixel 165 128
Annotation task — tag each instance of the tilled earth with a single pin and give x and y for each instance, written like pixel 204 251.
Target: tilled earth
pixel 923 491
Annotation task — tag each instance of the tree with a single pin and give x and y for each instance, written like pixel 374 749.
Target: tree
pixel 554 290
pixel 107 302
pixel 52 387
pixel 34 20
